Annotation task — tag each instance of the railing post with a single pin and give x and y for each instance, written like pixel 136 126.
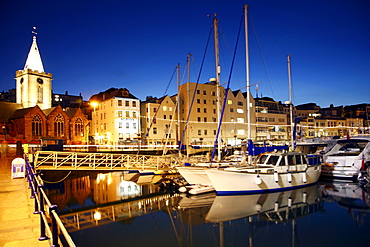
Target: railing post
pixel 42 213
pixel 36 196
pixel 54 226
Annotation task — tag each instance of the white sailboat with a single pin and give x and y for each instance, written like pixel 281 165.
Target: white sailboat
pixel 272 171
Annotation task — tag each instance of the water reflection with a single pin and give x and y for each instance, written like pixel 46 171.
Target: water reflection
pixel 93 207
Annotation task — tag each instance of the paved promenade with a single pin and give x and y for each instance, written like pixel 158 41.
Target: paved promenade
pixel 18 225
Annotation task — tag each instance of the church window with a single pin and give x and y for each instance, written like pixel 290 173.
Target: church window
pixel 58 125
pixel 79 127
pixel 21 80
pixel 36 125
pixel 40 81
pixel 39 94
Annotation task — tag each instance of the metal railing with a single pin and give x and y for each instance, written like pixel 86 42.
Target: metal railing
pixel 46 210
pixel 99 161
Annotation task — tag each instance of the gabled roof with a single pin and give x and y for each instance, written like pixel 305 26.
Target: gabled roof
pixel 21 112
pixel 71 112
pixel 7 109
pixel 48 110
pixel 34 61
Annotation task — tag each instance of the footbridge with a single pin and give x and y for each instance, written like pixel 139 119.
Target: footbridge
pixel 52 160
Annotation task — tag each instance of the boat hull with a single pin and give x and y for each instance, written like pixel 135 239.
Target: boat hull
pixel 228 182
pixel 194 175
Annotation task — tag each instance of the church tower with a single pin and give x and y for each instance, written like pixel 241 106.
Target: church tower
pixel 33 84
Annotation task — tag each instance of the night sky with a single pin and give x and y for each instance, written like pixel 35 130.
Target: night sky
pixel 91 46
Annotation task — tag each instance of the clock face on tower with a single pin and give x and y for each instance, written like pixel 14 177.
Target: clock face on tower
pixel 39 80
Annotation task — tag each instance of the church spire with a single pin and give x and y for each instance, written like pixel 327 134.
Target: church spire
pixel 34 61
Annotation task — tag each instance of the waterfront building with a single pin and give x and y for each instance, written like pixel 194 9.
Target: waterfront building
pixel 159 121
pixel 66 100
pixel 199 114
pixel 116 117
pixel 272 120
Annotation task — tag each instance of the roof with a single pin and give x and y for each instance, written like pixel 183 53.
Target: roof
pixel 113 93
pixel 48 110
pixel 7 109
pixel 19 113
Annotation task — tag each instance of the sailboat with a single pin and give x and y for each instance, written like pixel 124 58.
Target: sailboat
pixel 271 172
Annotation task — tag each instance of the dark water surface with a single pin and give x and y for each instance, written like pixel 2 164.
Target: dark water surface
pixel 120 209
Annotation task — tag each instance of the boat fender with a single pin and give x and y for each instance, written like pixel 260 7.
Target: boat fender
pixel 276 208
pixel 304 177
pixel 304 197
pixel 289 202
pixel 258 207
pixel 276 177
pixel 183 189
pixel 258 180
pixel 289 177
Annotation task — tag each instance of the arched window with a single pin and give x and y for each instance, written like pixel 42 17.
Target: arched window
pixel 36 125
pixel 79 127
pixel 59 125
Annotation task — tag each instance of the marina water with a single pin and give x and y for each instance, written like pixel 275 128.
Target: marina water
pixel 129 209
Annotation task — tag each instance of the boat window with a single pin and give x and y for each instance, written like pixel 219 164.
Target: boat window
pixel 282 162
pixel 269 159
pixel 291 160
pixel 354 146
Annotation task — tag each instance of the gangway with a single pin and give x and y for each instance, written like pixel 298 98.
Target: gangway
pixel 54 160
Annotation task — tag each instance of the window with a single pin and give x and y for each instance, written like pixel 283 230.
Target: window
pixel 240 120
pixel 133 103
pixel 231 109
pixel 205 110
pixel 198 101
pixel 154 130
pixel 164 117
pixel 36 125
pixel 240 103
pixel 164 108
pixel 127 114
pixel 58 125
pixel 239 110
pixel 199 119
pixel 119 102
pixel 134 114
pixel 134 125
pixel 198 91
pixel 204 92
pixel 205 119
pixel 205 132
pixel 198 109
pixel 199 132
pixel 229 102
pixel 205 101
pixel 79 127
pixel 127 103
pixel 127 125
pixel 39 93
pixel 120 125
pixel 119 113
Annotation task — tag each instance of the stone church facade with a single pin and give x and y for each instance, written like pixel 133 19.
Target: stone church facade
pixel 32 118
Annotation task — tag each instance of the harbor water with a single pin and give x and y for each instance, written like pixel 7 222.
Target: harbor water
pixel 132 209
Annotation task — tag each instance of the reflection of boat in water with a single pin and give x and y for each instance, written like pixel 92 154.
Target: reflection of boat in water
pixel 225 208
pixel 348 195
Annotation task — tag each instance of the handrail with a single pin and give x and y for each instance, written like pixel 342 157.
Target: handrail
pixel 42 202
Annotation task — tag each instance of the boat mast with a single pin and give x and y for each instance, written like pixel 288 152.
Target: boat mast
pixel 188 94
pixel 218 78
pixel 178 108
pixel 290 104
pixel 247 76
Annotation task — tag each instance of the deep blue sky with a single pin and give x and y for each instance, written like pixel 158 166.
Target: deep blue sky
pixel 90 46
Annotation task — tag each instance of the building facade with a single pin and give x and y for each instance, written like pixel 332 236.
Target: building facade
pixel 116 117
